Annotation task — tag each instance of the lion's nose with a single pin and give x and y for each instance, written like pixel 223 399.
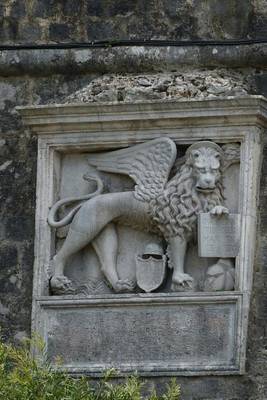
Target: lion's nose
pixel 208 180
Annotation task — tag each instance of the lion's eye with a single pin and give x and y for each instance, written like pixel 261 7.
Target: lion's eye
pixel 215 169
pixel 203 170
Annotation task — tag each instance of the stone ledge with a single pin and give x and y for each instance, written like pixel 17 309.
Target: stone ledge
pixel 129 59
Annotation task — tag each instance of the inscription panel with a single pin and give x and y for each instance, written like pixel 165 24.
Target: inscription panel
pixel 149 338
pixel 218 237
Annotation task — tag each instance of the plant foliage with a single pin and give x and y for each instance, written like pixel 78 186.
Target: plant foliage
pixel 23 377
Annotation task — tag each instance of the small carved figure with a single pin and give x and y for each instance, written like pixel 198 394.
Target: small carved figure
pixel 167 207
pixel 220 276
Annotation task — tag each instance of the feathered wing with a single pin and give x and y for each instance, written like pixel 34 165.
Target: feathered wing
pixel 148 164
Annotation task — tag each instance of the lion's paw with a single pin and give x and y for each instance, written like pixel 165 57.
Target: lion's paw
pixel 219 210
pixel 60 285
pixel 124 286
pixel 182 283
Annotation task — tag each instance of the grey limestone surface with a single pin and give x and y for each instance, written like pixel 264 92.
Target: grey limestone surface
pixel 42 77
pixel 218 237
pixel 155 339
pixel 18 155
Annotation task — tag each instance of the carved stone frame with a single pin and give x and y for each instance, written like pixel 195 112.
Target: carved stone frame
pixel 80 127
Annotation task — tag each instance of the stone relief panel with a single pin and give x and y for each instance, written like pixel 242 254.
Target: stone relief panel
pixel 153 217
pixel 146 234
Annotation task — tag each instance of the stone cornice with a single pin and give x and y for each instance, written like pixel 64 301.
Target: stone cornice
pixel 52 119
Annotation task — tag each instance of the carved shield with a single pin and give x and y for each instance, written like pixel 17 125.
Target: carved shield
pixel 150 272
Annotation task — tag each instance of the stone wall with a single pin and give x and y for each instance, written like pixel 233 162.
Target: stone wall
pixel 44 21
pixel 18 171
pixel 42 77
pixel 17 192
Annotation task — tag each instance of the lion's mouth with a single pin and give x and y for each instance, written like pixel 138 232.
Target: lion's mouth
pixel 205 190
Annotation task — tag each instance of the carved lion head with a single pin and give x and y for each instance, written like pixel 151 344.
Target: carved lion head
pixel 198 178
pixel 205 159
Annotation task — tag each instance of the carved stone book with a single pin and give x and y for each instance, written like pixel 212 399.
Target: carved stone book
pixel 218 237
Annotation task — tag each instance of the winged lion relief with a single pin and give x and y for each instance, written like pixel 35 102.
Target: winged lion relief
pixel 168 197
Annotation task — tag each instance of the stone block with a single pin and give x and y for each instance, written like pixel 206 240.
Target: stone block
pixel 122 7
pixel 155 335
pixel 72 8
pixel 8 255
pixel 261 81
pixel 105 30
pixel 59 32
pixel 258 26
pixel 30 32
pixel 18 9
pixel 45 8
pixel 8 29
pixel 95 8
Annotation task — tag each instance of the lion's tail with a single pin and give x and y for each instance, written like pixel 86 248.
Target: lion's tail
pixel 68 218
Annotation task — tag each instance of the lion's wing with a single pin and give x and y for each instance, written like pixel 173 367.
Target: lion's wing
pixel 148 164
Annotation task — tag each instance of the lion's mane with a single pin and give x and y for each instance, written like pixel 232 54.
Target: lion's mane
pixel 175 210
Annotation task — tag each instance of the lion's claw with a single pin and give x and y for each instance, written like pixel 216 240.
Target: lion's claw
pixel 124 286
pixel 219 210
pixel 182 282
pixel 61 285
